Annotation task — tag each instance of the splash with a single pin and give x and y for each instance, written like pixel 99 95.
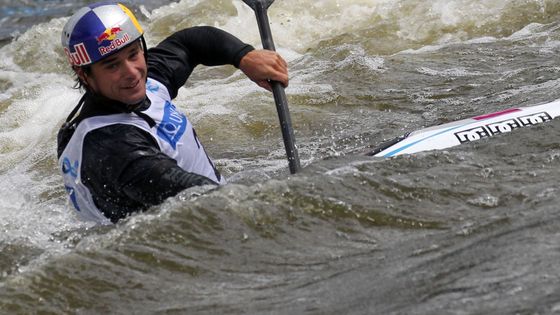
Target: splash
pixel 325 42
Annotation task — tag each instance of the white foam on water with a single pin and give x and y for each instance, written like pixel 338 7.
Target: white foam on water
pixel 450 72
pixel 296 25
pixel 33 207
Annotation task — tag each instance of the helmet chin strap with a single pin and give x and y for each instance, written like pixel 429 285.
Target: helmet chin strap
pixel 145 48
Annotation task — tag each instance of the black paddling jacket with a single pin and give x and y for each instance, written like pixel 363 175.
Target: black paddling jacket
pixel 122 165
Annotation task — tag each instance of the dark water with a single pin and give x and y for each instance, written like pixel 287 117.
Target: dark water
pixel 469 230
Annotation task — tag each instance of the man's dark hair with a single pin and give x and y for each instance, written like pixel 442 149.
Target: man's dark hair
pixel 79 84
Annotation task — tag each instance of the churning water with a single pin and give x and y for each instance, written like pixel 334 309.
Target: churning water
pixel 470 230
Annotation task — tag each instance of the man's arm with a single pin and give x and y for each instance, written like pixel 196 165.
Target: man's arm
pixel 173 60
pixel 126 172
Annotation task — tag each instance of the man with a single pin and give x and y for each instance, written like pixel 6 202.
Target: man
pixel 125 146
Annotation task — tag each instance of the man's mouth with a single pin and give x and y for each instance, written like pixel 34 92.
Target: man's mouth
pixel 132 85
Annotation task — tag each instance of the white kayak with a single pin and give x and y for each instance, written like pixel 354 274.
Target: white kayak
pixel 468 130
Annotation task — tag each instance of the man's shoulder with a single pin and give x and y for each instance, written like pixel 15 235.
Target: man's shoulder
pixel 118 138
pixel 116 132
pixel 156 88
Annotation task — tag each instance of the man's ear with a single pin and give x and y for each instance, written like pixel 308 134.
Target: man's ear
pixel 82 75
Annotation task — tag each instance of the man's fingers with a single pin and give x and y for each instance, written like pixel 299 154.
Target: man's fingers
pixel 264 65
pixel 264 84
pixel 282 78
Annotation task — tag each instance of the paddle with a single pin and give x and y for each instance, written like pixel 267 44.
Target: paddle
pixel 260 7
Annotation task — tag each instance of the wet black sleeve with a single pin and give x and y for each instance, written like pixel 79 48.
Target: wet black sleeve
pixel 126 172
pixel 173 60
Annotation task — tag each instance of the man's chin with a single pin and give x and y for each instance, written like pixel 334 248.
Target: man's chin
pixel 135 100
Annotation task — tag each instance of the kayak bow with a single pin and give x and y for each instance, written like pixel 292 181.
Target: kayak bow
pixel 468 130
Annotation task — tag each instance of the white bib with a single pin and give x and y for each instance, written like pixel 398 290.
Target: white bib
pixel 173 132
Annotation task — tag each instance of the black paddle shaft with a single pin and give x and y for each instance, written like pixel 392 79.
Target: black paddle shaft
pixel 260 7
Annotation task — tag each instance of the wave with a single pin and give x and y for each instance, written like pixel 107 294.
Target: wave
pixel 361 71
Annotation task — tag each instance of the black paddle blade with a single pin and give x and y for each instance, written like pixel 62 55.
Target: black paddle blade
pixel 253 3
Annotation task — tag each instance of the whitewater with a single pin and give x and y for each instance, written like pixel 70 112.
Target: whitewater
pixel 467 230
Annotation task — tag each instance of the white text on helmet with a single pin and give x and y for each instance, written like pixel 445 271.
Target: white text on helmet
pixel 80 57
pixel 116 44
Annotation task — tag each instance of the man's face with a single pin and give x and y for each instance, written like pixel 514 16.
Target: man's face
pixel 121 76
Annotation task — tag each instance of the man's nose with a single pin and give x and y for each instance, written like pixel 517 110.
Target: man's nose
pixel 128 68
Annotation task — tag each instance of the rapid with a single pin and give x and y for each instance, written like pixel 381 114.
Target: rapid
pixel 469 230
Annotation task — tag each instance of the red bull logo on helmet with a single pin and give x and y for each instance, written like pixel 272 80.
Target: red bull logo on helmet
pixel 109 34
pixel 116 41
pixel 79 57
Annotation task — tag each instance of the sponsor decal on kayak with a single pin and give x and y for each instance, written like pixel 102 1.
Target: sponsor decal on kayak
pixel 472 134
pixel 504 126
pixel 534 119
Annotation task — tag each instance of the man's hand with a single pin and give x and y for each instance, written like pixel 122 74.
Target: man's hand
pixel 263 66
